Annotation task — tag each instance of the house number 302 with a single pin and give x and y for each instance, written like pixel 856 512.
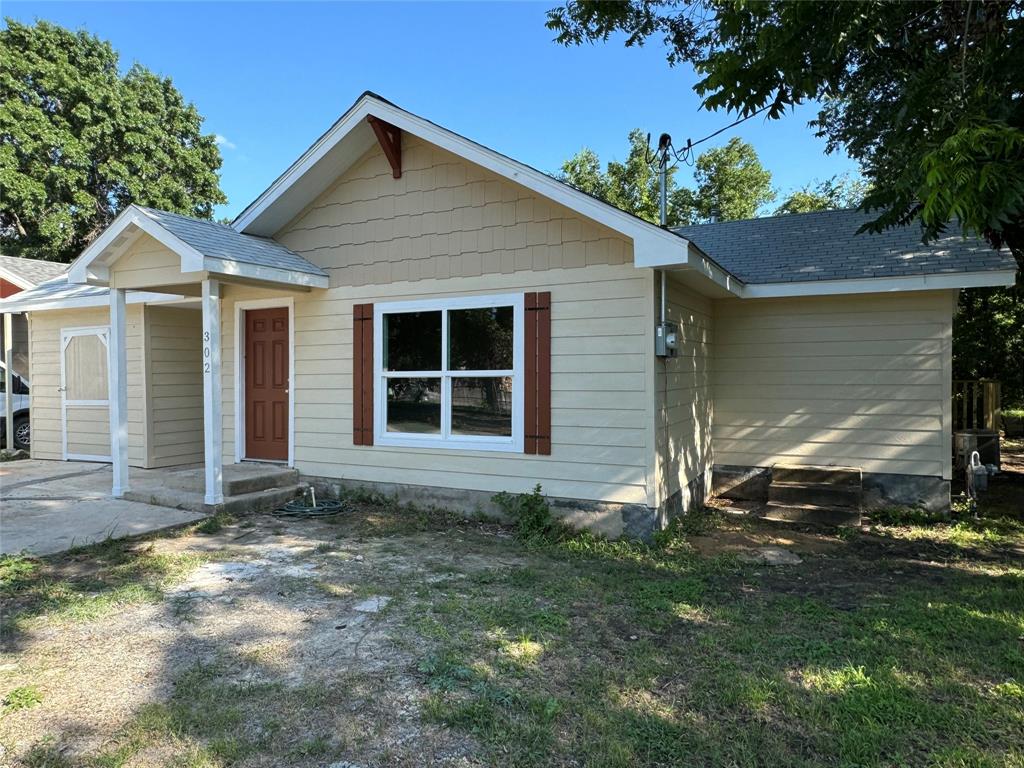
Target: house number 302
pixel 206 351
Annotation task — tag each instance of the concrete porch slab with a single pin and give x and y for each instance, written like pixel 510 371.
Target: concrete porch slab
pixel 50 506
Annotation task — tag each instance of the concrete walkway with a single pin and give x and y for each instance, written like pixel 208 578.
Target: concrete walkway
pixel 50 506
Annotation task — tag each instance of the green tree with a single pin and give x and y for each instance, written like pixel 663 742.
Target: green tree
pixel 829 195
pixel 988 339
pixel 79 141
pixel 928 96
pixel 731 182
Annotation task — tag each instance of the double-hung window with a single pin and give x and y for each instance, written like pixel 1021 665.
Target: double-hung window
pixel 449 373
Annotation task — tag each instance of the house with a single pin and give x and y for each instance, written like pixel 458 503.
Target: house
pixel 17 275
pixel 407 309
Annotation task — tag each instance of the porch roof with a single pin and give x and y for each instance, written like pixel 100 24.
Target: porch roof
pixel 60 294
pixel 202 246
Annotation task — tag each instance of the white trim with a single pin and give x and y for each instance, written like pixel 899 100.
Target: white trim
pixel 268 274
pixel 117 380
pixel 100 300
pixel 934 282
pixel 213 422
pixel 8 377
pixel 96 252
pixel 444 440
pixel 240 307
pixel 91 267
pixel 66 334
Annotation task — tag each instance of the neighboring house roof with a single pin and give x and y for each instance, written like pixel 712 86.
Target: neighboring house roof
pixel 201 245
pixel 27 273
pixel 825 246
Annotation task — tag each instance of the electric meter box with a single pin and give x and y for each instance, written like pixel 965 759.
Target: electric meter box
pixel 666 339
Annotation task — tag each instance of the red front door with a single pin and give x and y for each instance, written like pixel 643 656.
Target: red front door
pixel 266 384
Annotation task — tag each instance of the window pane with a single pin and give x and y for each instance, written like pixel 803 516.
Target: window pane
pixel 414 405
pixel 482 406
pixel 412 341
pixel 480 339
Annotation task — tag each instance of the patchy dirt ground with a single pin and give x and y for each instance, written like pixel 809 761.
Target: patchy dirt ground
pixel 394 637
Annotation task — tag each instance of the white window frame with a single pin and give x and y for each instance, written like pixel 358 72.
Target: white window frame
pixel 66 335
pixel 444 440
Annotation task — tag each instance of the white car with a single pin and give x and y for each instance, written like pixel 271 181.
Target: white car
pixel 22 429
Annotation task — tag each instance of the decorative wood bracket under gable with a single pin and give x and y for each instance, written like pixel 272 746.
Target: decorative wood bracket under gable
pixel 390 139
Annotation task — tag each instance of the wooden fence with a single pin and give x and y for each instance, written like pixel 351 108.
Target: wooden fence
pixel 976 405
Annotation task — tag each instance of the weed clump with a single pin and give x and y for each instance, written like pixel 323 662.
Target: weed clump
pixel 534 523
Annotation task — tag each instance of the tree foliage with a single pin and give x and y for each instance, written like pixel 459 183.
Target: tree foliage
pixel 928 97
pixel 988 339
pixel 829 195
pixel 79 141
pixel 731 182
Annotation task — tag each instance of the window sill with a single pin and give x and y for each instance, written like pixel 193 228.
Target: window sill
pixel 492 446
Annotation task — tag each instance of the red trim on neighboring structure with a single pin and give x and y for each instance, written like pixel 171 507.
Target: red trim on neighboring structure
pixel 390 139
pixel 362 374
pixel 7 288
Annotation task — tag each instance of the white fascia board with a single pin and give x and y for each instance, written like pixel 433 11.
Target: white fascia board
pixel 90 268
pixel 267 274
pixel 937 282
pixel 76 302
pixel 541 183
pixel 693 259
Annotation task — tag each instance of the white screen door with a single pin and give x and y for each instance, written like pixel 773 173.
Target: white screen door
pixel 85 403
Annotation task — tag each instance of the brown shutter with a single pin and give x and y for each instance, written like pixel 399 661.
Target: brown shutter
pixel 537 394
pixel 362 374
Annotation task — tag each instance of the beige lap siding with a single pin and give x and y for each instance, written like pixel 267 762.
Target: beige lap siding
pixel 45 352
pixel 682 388
pixel 847 380
pixel 175 385
pixel 600 406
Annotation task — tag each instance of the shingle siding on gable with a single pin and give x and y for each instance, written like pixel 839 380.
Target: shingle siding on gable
pixel 444 218
pixel 826 246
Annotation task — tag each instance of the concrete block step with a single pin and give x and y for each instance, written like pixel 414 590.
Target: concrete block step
pixel 809 514
pixel 816 494
pixel 239 504
pixel 794 473
pixel 260 501
pixel 238 478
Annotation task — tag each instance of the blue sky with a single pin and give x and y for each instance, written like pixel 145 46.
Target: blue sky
pixel 271 77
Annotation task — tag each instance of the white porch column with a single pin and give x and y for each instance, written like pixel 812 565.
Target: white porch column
pixel 213 427
pixel 8 380
pixel 117 366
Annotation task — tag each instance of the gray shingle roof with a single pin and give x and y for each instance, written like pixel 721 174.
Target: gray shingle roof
pixel 825 246
pixel 220 241
pixel 34 271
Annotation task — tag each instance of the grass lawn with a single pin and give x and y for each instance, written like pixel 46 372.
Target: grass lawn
pixel 251 644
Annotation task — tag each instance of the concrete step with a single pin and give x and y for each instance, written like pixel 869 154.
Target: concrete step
pixel 810 514
pixel 238 504
pixel 238 478
pixel 816 494
pixel 835 476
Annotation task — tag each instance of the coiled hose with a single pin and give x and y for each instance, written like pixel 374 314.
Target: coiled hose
pixel 302 508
